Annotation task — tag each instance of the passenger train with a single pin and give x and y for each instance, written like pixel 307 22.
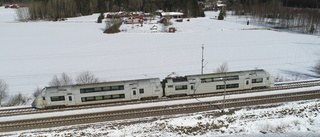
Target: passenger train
pixel 151 88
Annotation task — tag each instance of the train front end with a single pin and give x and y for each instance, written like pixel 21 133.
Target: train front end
pixel 39 102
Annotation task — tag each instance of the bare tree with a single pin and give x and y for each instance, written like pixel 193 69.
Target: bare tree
pixel 23 14
pixel 16 100
pixel 55 81
pixel 317 67
pixel 223 68
pixel 3 90
pixel 65 79
pixel 36 92
pixel 62 81
pixel 86 77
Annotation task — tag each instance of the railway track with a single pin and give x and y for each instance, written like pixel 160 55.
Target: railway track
pixel 154 111
pixel 279 86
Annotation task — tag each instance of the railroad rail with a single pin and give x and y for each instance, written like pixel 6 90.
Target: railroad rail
pixel 154 111
pixel 277 86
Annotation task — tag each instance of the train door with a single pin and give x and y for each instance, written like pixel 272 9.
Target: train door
pixel 71 100
pixel 134 94
pixel 192 89
pixel 247 84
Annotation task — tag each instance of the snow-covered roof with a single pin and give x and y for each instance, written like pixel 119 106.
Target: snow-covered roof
pixel 171 13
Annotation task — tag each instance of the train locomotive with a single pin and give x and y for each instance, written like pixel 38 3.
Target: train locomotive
pixel 150 88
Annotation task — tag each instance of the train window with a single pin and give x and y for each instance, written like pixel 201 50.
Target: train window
pixel 267 78
pixel 115 96
pixel 44 98
pixel 90 99
pixel 181 87
pixel 247 82
pixel 258 80
pixel 134 92
pixel 70 98
pixel 141 91
pixel 232 77
pixel 191 87
pixel 101 89
pixel 107 97
pixel 228 86
pixel 170 86
pixel 99 98
pixel 217 79
pixel 57 98
pixel 97 89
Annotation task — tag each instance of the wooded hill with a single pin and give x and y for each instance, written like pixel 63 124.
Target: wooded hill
pixel 59 9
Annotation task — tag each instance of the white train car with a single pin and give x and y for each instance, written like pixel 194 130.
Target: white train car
pixel 215 82
pixel 85 94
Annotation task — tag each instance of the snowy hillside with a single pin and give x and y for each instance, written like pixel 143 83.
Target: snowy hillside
pixel 32 52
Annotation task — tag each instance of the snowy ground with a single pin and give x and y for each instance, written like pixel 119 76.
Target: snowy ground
pixel 32 52
pixel 283 119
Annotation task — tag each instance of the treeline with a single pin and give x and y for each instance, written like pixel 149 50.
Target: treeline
pixel 60 9
pixel 286 3
pixel 278 15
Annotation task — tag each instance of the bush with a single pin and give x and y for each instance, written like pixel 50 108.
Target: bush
pixel 3 89
pixel 113 26
pixel 221 16
pixel 36 92
pixel 16 100
pixel 317 67
pixel 100 18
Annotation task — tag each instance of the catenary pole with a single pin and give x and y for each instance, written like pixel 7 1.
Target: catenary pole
pixel 202 60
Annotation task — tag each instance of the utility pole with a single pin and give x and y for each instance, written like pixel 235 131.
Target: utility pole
pixel 202 60
pixel 224 93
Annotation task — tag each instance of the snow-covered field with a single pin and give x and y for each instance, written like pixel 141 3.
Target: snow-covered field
pixel 32 52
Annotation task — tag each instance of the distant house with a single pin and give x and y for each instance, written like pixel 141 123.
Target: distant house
pixel 117 14
pixel 134 19
pixel 220 4
pixel 172 14
pixel 169 15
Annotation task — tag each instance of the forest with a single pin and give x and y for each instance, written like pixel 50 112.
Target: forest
pixel 295 15
pixel 60 9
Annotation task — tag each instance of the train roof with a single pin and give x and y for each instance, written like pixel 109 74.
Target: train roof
pixel 231 73
pixel 102 82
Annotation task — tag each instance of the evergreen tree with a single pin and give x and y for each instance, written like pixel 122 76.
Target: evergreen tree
pixel 221 17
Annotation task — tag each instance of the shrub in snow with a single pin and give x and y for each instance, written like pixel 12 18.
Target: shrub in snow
pixel 317 67
pixel 3 89
pixel 36 92
pixel 100 18
pixel 16 100
pixel 221 16
pixel 113 25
